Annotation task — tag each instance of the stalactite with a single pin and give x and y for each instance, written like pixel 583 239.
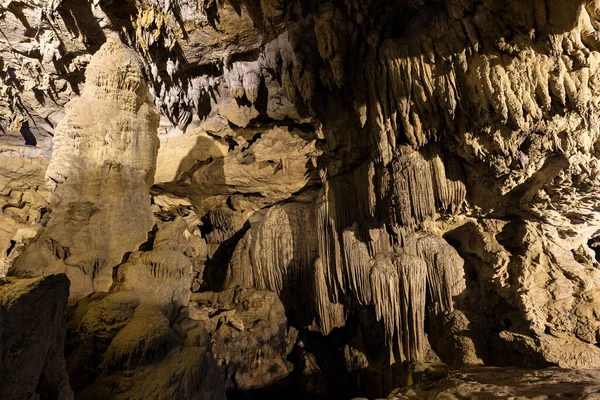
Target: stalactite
pixel 412 273
pixel 330 315
pixel 408 102
pixel 398 282
pixel 243 78
pixel 366 192
pixel 345 212
pixel 412 190
pixel 448 181
pixel 422 183
pixel 445 274
pixel 329 245
pixel 357 261
pixel 276 254
pixel 285 55
pixel 386 299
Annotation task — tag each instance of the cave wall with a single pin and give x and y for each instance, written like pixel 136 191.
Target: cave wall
pixel 422 176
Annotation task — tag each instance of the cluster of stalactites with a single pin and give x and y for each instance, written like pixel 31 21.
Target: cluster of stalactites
pixel 422 269
pixel 344 216
pixel 445 274
pixel 419 269
pixel 335 251
pixel 278 254
pixel 423 274
pixel 406 96
pixel 438 80
pixel 421 183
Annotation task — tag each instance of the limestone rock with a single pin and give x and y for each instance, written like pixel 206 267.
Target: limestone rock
pixel 414 180
pixel 24 200
pixel 32 335
pixel 103 160
pixel 134 341
pixel 488 382
pixel 250 335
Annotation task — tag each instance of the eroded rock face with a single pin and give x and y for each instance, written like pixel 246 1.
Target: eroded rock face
pixel 418 180
pixel 135 341
pixel 25 199
pixel 250 335
pixel 32 337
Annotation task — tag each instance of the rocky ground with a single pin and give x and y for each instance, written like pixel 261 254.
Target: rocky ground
pixel 503 383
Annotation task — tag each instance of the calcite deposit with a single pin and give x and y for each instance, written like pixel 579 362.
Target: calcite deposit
pixel 304 199
pixel 103 159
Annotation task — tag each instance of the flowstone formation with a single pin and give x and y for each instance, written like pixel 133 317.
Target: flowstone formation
pixel 135 341
pixel 100 173
pixel 305 198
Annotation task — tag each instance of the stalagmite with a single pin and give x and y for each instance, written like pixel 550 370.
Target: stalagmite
pixel 101 171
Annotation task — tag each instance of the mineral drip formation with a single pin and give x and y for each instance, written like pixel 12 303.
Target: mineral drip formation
pixel 335 249
pixel 100 174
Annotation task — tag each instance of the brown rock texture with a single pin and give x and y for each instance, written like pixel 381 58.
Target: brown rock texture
pixel 503 383
pixel 134 342
pixel 250 335
pixel 318 194
pixel 32 337
pixel 103 160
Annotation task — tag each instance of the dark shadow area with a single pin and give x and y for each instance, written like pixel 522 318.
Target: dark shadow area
pixel 320 371
pixel 216 266
pixel 16 7
pixel 594 244
pixel 80 21
pixel 29 137
pixel 488 313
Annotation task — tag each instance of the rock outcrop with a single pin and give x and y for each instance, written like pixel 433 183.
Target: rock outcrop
pixel 136 340
pixel 249 333
pixel 24 201
pixel 32 337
